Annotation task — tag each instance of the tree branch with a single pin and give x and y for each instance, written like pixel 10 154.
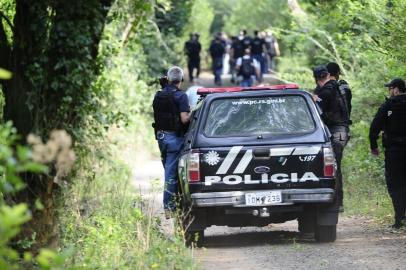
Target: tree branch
pixel 5 49
pixel 7 20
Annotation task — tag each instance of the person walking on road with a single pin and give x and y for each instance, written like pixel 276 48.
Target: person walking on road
pixel 258 49
pixel 245 39
pixel 335 117
pixel 192 50
pixel 236 51
pixel 217 51
pixel 273 51
pixel 248 69
pixel 391 119
pixel 171 115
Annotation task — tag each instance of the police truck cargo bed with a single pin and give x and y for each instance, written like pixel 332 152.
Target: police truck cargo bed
pixel 254 156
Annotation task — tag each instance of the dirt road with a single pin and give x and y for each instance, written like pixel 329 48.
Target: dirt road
pixel 360 244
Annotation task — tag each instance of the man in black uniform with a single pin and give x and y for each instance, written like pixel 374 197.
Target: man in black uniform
pixel 257 51
pixel 245 40
pixel 343 86
pixel 217 51
pixel 171 115
pixel 236 51
pixel 192 50
pixel 391 119
pixel 335 117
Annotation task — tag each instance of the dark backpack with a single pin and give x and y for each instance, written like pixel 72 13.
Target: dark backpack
pixel 344 97
pixel 247 68
pixel 166 112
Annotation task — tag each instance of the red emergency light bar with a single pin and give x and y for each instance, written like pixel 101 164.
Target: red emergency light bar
pixel 206 91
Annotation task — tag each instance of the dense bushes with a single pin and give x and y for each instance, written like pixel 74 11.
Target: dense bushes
pixel 109 225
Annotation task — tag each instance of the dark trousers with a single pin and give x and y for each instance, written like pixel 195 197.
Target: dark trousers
pixel 261 61
pixel 395 174
pixel 192 64
pixel 339 141
pixel 217 67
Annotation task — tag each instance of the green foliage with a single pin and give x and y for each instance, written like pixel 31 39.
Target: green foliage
pixel 14 160
pixel 108 224
pixel 260 15
pixel 11 220
pixel 222 11
pixel 365 191
pixel 161 41
pixel 200 21
pixel 172 17
pixel 5 74
pixel 7 9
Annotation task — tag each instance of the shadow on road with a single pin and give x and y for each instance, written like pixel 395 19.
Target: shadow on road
pixel 247 239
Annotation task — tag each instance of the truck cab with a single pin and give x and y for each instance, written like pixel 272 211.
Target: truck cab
pixel 255 156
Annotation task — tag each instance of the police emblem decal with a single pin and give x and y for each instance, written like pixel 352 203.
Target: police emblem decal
pixel 212 158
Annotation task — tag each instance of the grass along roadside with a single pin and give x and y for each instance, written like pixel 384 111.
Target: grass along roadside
pixel 106 223
pixel 365 191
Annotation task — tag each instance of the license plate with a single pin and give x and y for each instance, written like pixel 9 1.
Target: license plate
pixel 263 198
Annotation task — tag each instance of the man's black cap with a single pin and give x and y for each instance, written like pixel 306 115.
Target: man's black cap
pixel 396 82
pixel 320 72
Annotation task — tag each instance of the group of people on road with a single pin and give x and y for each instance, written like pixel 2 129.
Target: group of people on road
pixel 246 58
pixel 334 99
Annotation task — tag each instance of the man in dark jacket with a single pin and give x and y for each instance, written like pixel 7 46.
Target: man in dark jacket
pixel 391 119
pixel 335 118
pixel 343 86
pixel 192 50
pixel 217 51
pixel 236 51
pixel 257 51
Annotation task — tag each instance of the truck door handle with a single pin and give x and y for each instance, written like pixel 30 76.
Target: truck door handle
pixel 262 153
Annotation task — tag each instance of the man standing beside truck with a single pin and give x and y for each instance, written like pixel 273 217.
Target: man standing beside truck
pixel 171 115
pixel 336 117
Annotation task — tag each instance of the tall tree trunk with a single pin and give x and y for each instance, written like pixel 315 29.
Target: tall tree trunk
pixel 30 26
pixel 53 60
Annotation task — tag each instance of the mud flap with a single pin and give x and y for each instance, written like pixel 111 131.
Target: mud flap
pixel 327 215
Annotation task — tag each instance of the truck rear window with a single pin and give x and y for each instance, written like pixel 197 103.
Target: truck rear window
pixel 255 116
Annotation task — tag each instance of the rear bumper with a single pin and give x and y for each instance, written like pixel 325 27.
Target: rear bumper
pixel 237 198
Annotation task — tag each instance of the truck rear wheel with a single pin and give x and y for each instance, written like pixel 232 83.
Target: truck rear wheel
pixel 326 233
pixel 194 238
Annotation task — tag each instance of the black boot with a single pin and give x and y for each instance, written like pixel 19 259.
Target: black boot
pixel 397 224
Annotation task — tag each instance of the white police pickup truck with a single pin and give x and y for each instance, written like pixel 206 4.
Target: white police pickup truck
pixel 255 156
